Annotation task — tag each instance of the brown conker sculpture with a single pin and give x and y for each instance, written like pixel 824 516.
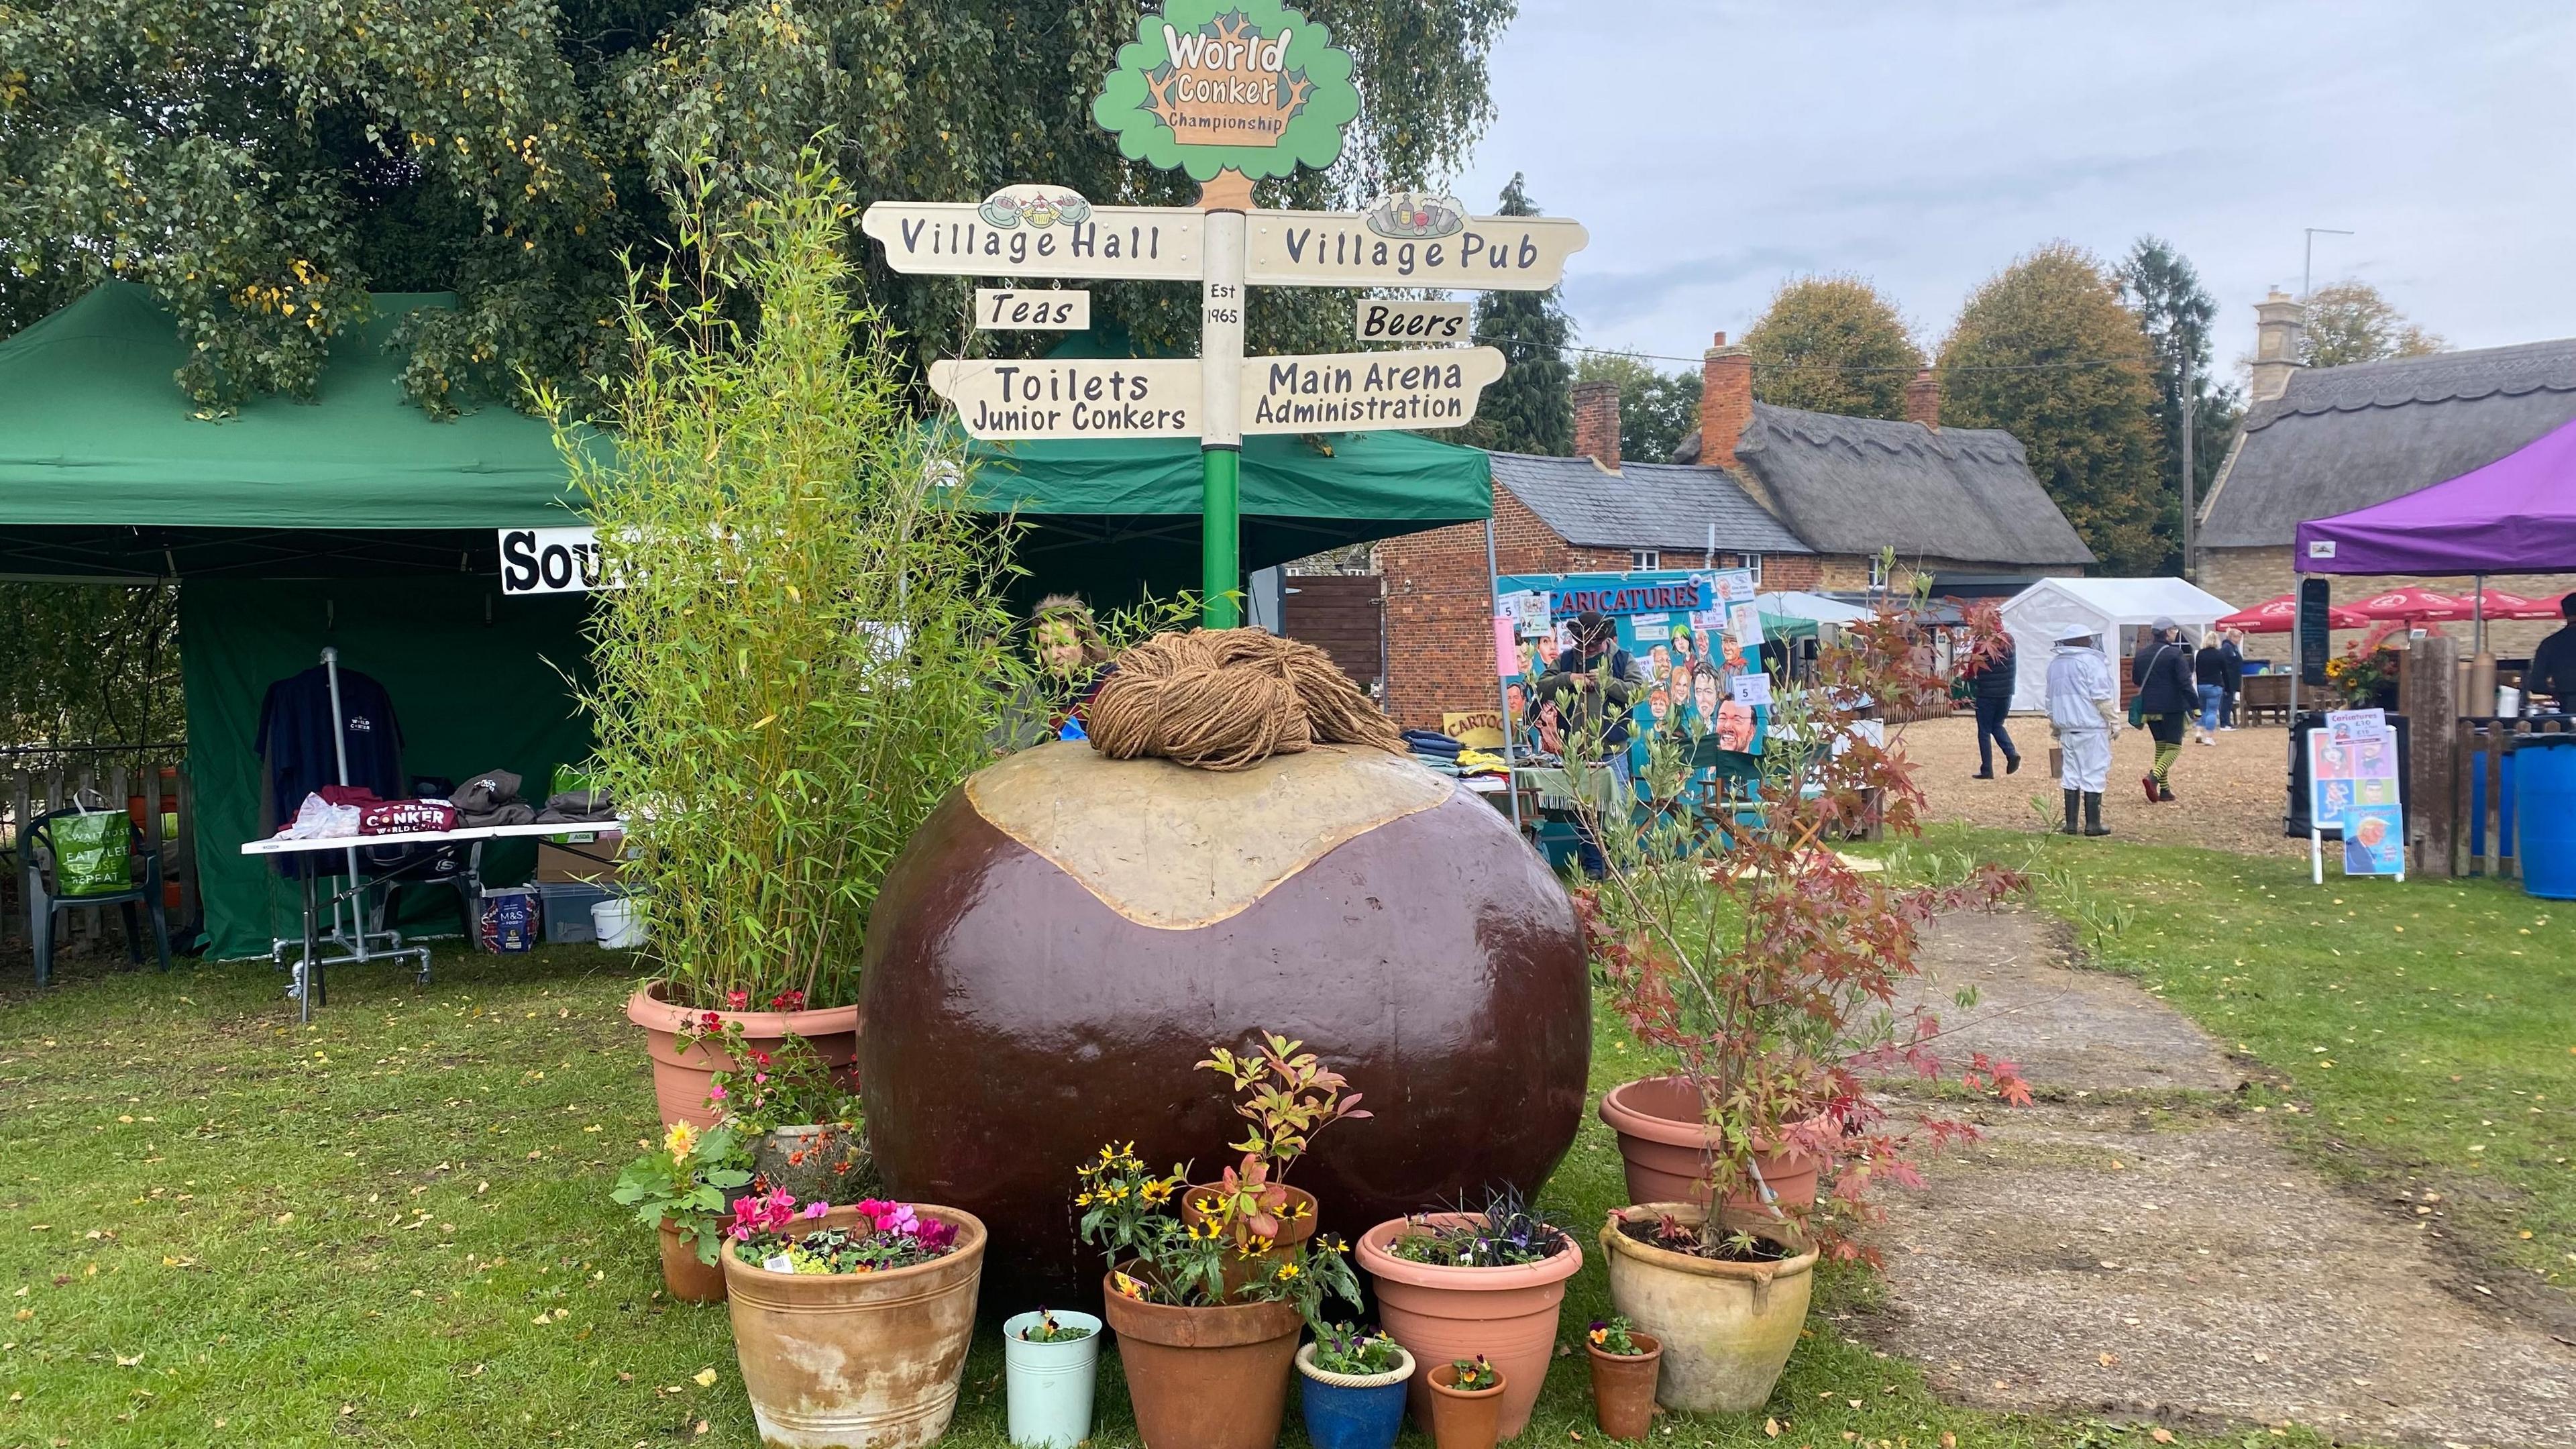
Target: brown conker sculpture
pixel 1067 935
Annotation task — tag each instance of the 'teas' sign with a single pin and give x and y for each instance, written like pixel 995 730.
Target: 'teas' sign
pixel 553 561
pixel 999 309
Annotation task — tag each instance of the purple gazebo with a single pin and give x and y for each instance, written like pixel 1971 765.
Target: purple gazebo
pixel 2516 515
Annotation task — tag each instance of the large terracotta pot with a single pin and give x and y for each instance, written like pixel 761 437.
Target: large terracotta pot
pixel 1066 935
pixel 1439 1314
pixel 683 1276
pixel 857 1360
pixel 681 1074
pixel 1664 1142
pixel 1727 1328
pixel 1205 1378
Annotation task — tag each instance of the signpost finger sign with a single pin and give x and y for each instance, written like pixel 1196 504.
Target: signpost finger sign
pixel 1227 92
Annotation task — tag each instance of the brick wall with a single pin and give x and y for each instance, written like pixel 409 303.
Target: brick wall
pixel 1439 619
pixel 2245 577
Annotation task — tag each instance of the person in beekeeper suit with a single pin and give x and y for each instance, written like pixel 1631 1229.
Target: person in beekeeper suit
pixel 2084 713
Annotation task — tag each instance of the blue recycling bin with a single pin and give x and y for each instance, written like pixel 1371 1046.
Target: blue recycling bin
pixel 2545 807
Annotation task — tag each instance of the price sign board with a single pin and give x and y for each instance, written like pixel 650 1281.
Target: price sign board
pixel 1002 309
pixel 1338 392
pixel 972 239
pixel 1410 240
pixel 1072 398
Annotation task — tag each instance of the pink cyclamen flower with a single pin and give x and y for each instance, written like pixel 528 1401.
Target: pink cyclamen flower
pixel 716 1093
pixel 816 1208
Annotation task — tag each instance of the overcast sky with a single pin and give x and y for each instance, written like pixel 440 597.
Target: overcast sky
pixel 1717 147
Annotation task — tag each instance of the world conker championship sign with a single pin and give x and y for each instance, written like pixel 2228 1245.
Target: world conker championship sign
pixel 1227 92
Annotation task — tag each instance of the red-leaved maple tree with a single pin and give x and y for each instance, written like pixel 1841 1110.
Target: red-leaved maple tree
pixel 1738 942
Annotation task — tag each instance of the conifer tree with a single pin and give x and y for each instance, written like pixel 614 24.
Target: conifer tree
pixel 1530 408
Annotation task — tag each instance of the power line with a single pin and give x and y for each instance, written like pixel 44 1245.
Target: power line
pixel 2069 365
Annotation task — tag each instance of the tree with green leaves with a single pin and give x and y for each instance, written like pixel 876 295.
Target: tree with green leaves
pixel 1833 345
pixel 1656 409
pixel 2350 322
pixel 1530 409
pixel 89 664
pixel 2176 312
pixel 263 168
pixel 2045 351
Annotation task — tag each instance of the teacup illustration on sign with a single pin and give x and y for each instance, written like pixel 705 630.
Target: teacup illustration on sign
pixel 1039 206
pixel 1416 215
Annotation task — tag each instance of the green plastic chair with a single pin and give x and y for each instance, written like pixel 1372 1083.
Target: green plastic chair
pixel 38 852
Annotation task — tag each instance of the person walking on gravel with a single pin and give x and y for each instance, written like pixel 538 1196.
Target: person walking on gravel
pixel 1990 685
pixel 2231 652
pixel 2084 714
pixel 2209 676
pixel 2165 701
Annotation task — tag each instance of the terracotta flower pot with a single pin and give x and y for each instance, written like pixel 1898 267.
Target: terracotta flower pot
pixel 683 1276
pixel 1205 1378
pixel 1469 1419
pixel 1293 1230
pixel 1664 1143
pixel 857 1359
pixel 681 1074
pixel 1726 1328
pixel 1507 1314
pixel 1623 1386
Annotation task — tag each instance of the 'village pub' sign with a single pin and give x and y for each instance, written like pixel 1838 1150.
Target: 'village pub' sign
pixel 1227 92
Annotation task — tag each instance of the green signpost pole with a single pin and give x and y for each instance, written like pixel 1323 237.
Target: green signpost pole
pixel 1220 577
pixel 1225 199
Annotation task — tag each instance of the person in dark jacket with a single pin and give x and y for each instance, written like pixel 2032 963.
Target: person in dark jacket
pixel 2162 672
pixel 1990 686
pixel 1594 687
pixel 2553 664
pixel 2232 654
pixel 2209 679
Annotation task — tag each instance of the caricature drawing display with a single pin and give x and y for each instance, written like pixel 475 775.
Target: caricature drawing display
pixel 1687 642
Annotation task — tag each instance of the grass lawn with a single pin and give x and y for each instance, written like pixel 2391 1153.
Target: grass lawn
pixel 2416 1038
pixel 392 1227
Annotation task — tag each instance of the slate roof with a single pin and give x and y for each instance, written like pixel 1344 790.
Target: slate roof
pixel 2341 438
pixel 1645 505
pixel 1857 485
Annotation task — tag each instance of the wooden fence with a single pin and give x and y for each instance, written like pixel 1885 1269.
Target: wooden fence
pixel 2485 788
pixel 153 786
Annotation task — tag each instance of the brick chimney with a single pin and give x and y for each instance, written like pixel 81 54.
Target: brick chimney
pixel 1596 423
pixel 2280 336
pixel 1725 401
pixel 1923 400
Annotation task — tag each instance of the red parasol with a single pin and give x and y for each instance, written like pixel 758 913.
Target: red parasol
pixel 2281 615
pixel 2415 604
pixel 2502 605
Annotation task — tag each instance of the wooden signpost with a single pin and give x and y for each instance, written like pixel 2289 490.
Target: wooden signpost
pixel 1228 92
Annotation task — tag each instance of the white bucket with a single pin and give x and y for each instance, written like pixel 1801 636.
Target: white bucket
pixel 618 922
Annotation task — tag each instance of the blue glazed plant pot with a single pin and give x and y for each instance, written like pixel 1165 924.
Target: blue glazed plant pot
pixel 1050 1383
pixel 1349 1411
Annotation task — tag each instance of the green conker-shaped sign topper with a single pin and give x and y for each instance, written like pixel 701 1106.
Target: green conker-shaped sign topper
pixel 1229 85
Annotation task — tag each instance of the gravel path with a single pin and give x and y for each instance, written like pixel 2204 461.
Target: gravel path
pixel 2132 1247
pixel 2232 793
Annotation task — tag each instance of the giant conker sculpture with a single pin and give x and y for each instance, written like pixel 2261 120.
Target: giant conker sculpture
pixel 1067 934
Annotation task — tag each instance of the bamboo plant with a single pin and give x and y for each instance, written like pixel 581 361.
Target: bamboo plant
pixel 809 644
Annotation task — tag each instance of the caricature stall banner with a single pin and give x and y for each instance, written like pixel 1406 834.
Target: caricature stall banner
pixel 1697 636
pixel 2353 786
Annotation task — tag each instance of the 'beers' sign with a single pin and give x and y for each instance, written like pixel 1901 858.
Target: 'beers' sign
pixel 1215 85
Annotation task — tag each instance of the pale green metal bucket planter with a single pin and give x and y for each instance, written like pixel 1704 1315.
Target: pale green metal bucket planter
pixel 1050 1383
